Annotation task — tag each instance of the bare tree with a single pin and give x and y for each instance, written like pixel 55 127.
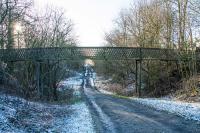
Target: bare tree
pixel 50 30
pixel 11 11
pixel 170 24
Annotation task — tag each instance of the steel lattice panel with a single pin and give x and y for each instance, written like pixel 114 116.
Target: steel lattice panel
pixel 97 53
pixel 154 54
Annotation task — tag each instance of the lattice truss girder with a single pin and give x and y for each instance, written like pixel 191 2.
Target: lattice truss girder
pixel 98 53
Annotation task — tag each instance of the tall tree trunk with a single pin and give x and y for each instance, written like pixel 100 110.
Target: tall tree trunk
pixel 10 31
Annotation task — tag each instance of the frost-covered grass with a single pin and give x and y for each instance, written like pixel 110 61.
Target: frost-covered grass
pixel 80 121
pixel 189 111
pixel 18 115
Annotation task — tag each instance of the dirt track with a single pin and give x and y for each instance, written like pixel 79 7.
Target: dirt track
pixel 112 114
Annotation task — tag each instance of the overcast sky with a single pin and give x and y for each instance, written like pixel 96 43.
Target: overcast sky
pixel 92 18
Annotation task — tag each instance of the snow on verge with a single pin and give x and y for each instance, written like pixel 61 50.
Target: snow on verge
pixel 74 118
pixel 79 122
pixel 18 115
pixel 189 111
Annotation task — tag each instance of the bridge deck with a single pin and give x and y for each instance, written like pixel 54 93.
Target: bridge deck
pixel 96 53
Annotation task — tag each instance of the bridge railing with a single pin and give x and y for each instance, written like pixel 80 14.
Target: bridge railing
pixel 97 53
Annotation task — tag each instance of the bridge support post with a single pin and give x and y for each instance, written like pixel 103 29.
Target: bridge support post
pixel 138 77
pixel 38 77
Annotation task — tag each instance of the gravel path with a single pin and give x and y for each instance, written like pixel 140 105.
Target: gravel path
pixel 127 116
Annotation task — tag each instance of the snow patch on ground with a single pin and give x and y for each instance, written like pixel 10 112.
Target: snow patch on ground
pixel 79 122
pixel 72 83
pixel 18 115
pixel 46 118
pixel 189 111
